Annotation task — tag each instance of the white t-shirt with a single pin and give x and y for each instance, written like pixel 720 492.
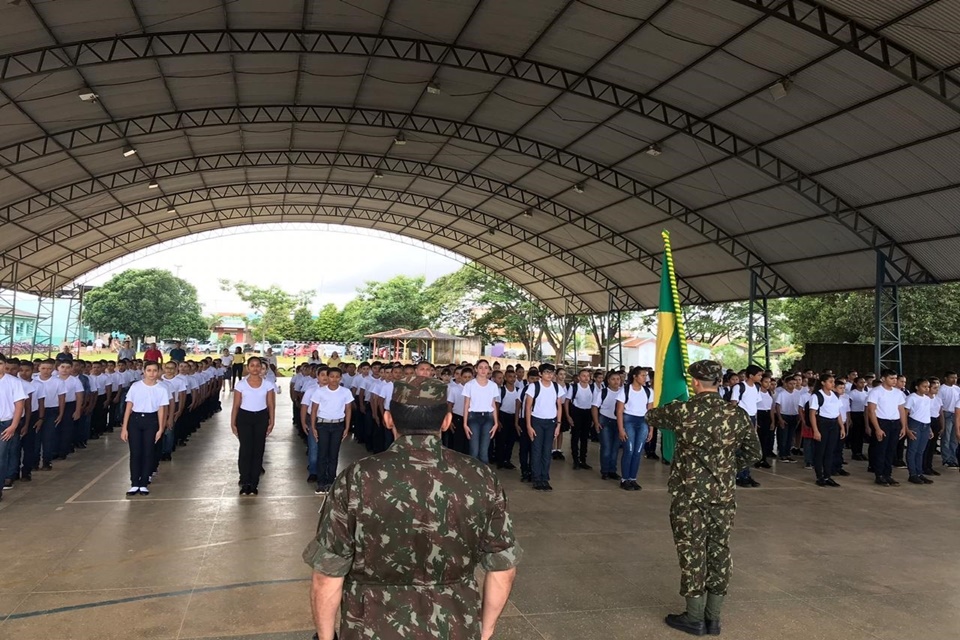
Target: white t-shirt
pixel 146 398
pixel 36 392
pixel 482 397
pixel 830 407
pixel 858 400
pixel 332 405
pixel 888 403
pixel 455 396
pixel 226 361
pixel 748 398
pixel 11 391
pixel 765 403
pixel 98 383
pixel 253 399
pixel 508 401
pixel 72 386
pixel 935 406
pixel 608 405
pixel 948 397
pixel 52 390
pixel 385 391
pixel 175 384
pixel 844 407
pixel 346 380
pixel 918 408
pixel 581 397
pixel 545 405
pixel 636 404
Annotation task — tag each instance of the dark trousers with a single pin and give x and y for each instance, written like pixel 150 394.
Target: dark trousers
pixel 367 426
pixel 785 435
pixel 506 437
pixel 141 433
pixel 884 451
pixel 765 433
pixel 98 421
pixel 236 372
pixel 650 448
pixel 542 447
pixel 66 430
pixel 30 446
pixel 252 432
pixel 526 446
pixel 329 436
pixel 49 440
pixel 856 435
pixel 824 449
pixel 580 433
pixel 458 439
pixel 931 449
pixel 901 449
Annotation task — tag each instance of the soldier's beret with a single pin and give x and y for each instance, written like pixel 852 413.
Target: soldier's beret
pixel 706 370
pixel 419 391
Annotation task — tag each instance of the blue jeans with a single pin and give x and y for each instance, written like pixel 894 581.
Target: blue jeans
pixel 542 447
pixel 609 444
pixel 948 439
pixel 6 447
pixel 480 425
pixel 785 435
pixel 808 451
pixel 13 453
pixel 313 452
pixel 637 429
pixel 49 439
pixel 169 441
pixel 916 448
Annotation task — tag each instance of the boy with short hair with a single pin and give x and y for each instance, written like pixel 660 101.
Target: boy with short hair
pixel 543 409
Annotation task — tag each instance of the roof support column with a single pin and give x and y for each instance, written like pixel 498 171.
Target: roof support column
pixel 614 350
pixel 8 314
pixel 887 343
pixel 758 337
pixel 74 327
pixel 43 329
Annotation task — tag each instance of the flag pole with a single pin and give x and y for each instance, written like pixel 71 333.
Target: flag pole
pixel 681 328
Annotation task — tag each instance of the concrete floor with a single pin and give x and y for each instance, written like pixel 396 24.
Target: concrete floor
pixel 79 560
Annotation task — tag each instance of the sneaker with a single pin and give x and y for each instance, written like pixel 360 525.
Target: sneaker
pixel 830 482
pixel 808 466
pixel 914 480
pixel 320 491
pixel 255 491
pixel 843 472
pixel 785 460
pixel 576 466
pixel 882 482
pixel 652 456
pixel 144 491
pixel 509 465
pixel 634 486
pixel 132 491
pixel 547 487
pixel 538 486
pixel 47 466
pixel 892 482
pixel 765 465
pixel 752 483
pixel 584 465
pixel 625 485
pixel 613 476
pixel 26 477
pixel 560 455
pixel 526 477
pixel 821 483
pixel 7 484
pixel 900 464
pixel 555 455
pixel 926 480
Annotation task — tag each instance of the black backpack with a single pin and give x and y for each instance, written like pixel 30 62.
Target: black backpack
pixel 593 389
pixel 626 393
pixel 728 392
pixel 820 399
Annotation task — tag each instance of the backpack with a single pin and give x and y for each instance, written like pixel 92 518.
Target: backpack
pixel 536 392
pixel 626 393
pixel 820 399
pixel 593 389
pixel 728 392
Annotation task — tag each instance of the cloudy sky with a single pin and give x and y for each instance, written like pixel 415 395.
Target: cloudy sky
pixel 333 263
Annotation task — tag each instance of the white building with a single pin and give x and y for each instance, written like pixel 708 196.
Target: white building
pixel 642 352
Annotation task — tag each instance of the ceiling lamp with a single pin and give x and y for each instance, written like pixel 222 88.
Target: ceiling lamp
pixel 578 187
pixel 171 210
pixel 433 88
pixel 129 151
pixel 153 185
pixel 528 213
pixel 89 96
pixel 780 88
pixel 653 150
pixel 400 140
pixel 377 174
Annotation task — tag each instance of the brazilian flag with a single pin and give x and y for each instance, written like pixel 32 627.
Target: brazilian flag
pixel 671 367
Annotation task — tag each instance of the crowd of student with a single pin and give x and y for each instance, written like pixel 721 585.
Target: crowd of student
pixel 50 409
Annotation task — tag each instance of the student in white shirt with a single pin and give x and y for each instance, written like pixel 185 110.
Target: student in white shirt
pixel 177 389
pixel 544 411
pixel 936 427
pixel 950 398
pixel 13 399
pixel 480 412
pixel 507 405
pixel 605 423
pixel 331 406
pixel 632 425
pixel 827 426
pixel 888 422
pixel 252 419
pixel 73 389
pixel 917 407
pixel 766 430
pixel 457 439
pixel 857 394
pixel 526 444
pixel 578 408
pixel 143 420
pixel 30 434
pixel 561 380
pixel 746 395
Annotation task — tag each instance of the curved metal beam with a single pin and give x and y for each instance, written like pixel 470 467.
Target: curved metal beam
pixel 866 43
pixel 170 44
pixel 102 221
pixel 322 114
pixel 36 205
pixel 58 272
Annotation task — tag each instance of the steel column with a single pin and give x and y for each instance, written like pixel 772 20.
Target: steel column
pixel 8 313
pixel 43 329
pixel 887 343
pixel 74 327
pixel 614 350
pixel 758 336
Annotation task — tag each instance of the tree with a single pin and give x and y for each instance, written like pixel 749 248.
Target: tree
pixel 450 299
pixel 145 302
pixel 328 326
pixel 301 325
pixel 273 306
pixel 381 306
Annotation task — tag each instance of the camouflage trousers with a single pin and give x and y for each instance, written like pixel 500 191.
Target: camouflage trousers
pixel 702 533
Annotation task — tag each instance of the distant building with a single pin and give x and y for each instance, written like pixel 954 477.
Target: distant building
pixel 233 325
pixel 642 352
pixel 22 323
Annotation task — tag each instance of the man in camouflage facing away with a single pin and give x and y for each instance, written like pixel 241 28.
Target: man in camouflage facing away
pixel 714 440
pixel 401 533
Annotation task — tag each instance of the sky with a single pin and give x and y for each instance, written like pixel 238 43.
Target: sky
pixel 333 263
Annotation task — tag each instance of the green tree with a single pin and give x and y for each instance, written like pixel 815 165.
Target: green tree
pixel 397 302
pixel 301 325
pixel 449 300
pixel 146 302
pixel 272 305
pixel 329 324
pixel 731 357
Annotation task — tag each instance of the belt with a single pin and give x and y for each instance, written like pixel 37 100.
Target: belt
pixel 337 421
pixel 483 413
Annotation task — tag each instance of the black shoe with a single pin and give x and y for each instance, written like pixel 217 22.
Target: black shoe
pixel 843 472
pixel 682 622
pixel 312 478
pixel 613 476
pixel 576 465
pixel 255 491
pixel 785 460
pixel 765 465
pixel 914 480
pixel 930 472
pixel 47 466
pixel 882 482
pixel 555 455
pixel 740 483
pixel 560 456
pixel 538 486
pixel 892 482
pixel 926 480
pixel 634 486
pixel 900 464
pixel 604 476
pixel 870 468
pixel 665 462
pixel 752 483
pixel 821 483
pixel 625 485
pixel 245 490
pixel 584 465
pixel 547 487
pixel 26 477
pixel 713 627
pixel 509 465
pixel 830 482
pixel 652 456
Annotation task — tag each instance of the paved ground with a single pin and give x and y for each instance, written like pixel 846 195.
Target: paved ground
pixel 81 561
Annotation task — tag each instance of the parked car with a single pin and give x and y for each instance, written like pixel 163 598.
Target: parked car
pixel 206 347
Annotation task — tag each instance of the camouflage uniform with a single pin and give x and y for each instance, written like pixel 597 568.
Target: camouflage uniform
pixel 407 528
pixel 714 440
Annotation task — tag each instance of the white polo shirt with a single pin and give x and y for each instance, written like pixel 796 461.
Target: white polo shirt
pixel 544 405
pixel 581 397
pixel 332 405
pixel 148 398
pixel 11 392
pixel 887 402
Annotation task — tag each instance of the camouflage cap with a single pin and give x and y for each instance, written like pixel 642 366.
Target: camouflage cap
pixel 706 371
pixel 419 391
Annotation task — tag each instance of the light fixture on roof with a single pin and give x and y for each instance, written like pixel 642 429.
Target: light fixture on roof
pixel 578 187
pixel 780 88
pixel 528 213
pixel 129 151
pixel 377 174
pixel 153 185
pixel 653 150
pixel 433 88
pixel 89 96
pixel 171 209
pixel 400 140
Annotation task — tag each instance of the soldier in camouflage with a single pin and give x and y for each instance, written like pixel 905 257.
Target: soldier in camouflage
pixel 401 533
pixel 714 440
